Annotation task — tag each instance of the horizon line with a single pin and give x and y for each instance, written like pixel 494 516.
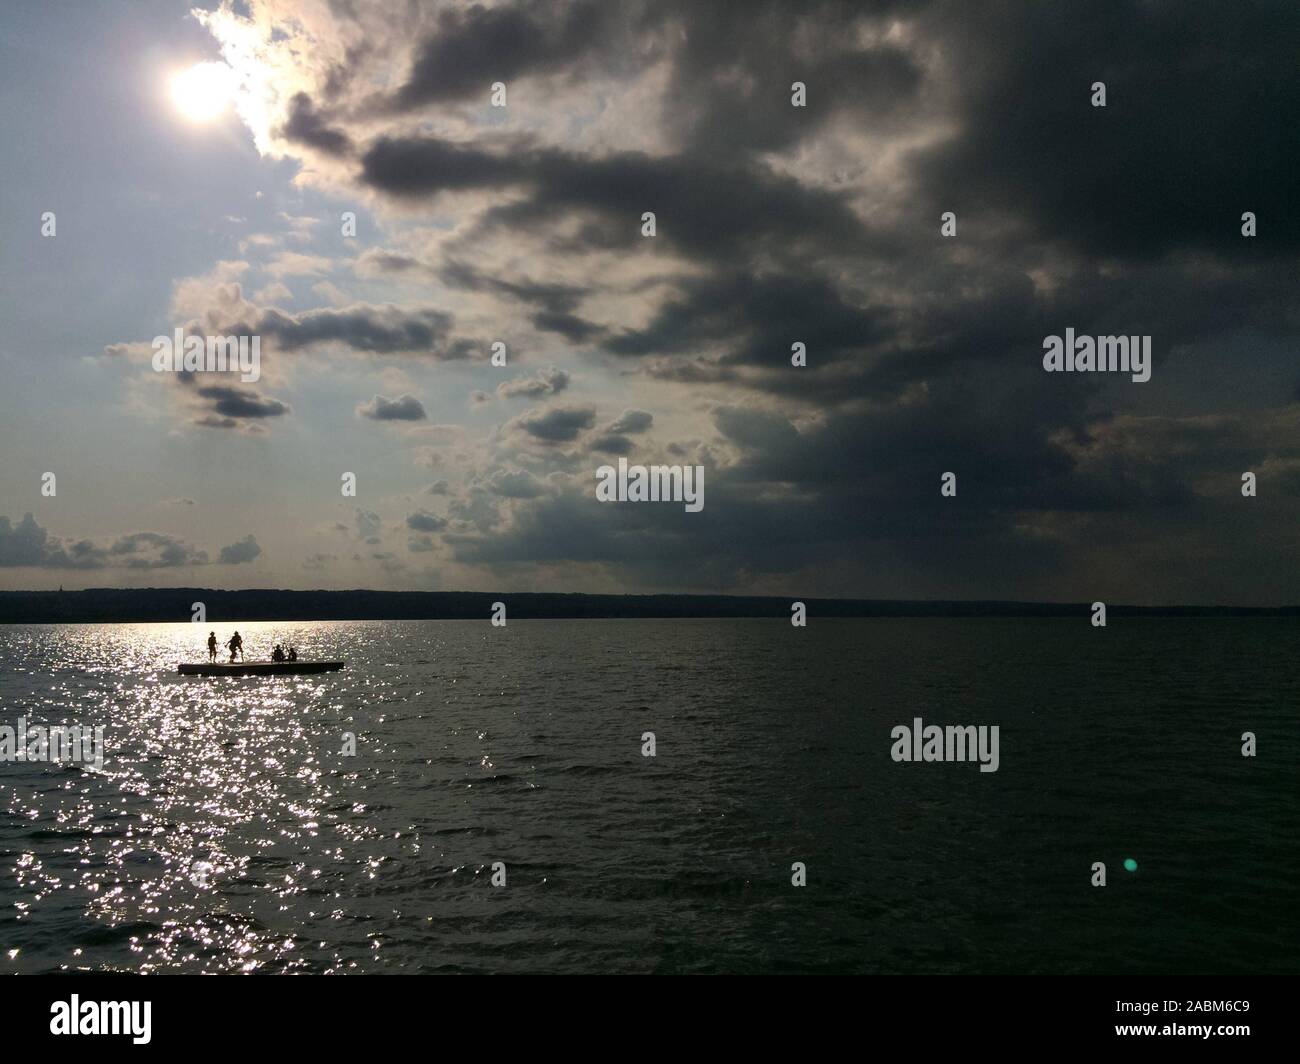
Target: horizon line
pixel 151 605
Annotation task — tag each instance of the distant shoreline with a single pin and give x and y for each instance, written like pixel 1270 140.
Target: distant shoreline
pixel 140 605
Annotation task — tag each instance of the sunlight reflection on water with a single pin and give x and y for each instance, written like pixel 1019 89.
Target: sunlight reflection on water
pixel 210 786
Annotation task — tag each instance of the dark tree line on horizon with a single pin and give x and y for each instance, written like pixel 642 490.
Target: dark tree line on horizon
pixel 103 605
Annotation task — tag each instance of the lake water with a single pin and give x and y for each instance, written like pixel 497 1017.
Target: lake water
pixel 227 833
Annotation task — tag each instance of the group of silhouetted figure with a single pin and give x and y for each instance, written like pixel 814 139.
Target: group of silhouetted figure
pixel 236 645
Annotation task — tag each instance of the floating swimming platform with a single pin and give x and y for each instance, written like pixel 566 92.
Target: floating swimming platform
pixel 257 668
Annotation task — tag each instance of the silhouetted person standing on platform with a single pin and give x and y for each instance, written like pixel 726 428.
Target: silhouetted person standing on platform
pixel 212 646
pixel 236 646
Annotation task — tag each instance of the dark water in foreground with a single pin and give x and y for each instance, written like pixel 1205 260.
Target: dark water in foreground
pixel 226 833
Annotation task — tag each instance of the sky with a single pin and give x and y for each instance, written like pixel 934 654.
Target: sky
pixel 774 224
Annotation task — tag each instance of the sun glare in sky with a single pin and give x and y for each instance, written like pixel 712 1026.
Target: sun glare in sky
pixel 204 91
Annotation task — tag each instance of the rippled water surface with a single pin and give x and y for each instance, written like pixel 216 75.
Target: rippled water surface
pixel 226 831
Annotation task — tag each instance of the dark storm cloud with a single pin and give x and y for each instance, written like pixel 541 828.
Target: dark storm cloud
pixel 1192 134
pixel 305 126
pixel 643 542
pixel 615 438
pixel 403 408
pixel 557 424
pixel 1008 470
pixel 233 403
pixel 703 205
pixel 152 550
pixel 712 101
pixel 244 550
pixel 470 48
pixel 611 443
pixel 385 329
pixel 423 521
pixel 27 544
pixel 731 73
pixel 573 328
pixel 823 499
pixel 755 319
pixel 632 421
pixel 423 166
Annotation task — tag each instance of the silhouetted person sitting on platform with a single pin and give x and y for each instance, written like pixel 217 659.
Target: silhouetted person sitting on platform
pixel 278 653
pixel 293 654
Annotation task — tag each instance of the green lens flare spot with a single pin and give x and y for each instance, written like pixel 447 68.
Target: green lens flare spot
pixel 1130 865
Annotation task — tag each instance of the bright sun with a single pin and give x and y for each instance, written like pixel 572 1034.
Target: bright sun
pixel 204 91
